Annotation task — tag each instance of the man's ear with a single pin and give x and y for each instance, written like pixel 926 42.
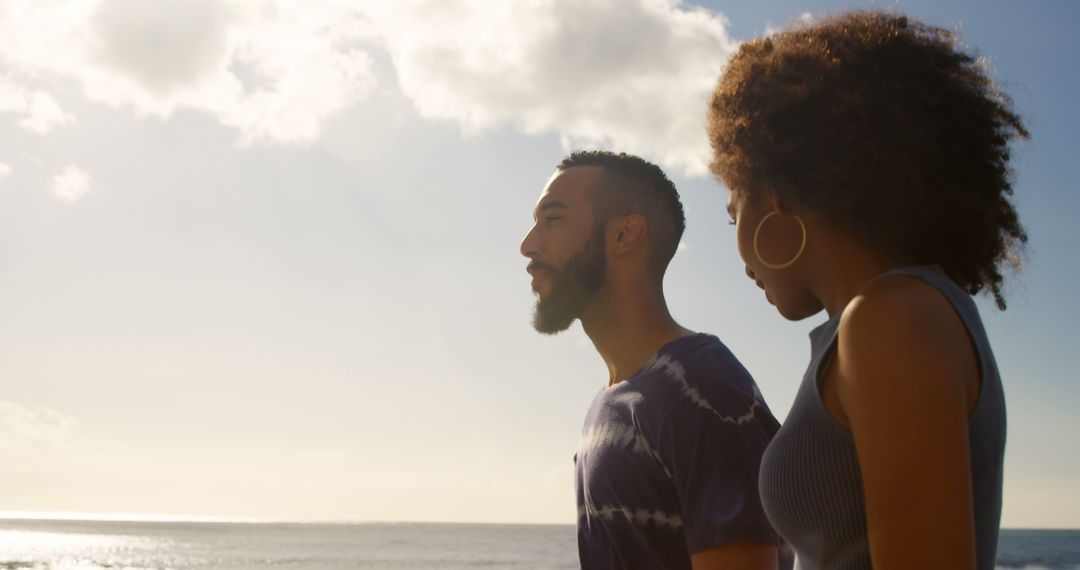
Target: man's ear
pixel 626 233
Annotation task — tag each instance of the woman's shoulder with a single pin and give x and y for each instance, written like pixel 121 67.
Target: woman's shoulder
pixel 899 303
pixel 904 332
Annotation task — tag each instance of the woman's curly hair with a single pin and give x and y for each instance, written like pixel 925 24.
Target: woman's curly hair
pixel 883 125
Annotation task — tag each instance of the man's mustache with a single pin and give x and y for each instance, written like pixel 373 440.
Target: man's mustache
pixel 534 265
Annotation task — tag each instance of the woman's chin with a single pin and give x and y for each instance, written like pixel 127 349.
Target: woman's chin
pixel 796 313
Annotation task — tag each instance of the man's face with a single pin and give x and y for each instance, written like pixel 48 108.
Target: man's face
pixel 565 249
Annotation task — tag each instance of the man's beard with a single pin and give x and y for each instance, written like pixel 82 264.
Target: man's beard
pixel 572 287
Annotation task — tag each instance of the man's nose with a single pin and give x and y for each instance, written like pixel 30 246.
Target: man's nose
pixel 529 246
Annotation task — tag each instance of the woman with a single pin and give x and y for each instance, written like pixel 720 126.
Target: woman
pixel 867 161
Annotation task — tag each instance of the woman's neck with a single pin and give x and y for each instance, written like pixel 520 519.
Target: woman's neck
pixel 843 268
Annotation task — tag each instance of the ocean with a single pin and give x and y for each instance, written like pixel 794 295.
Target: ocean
pixel 98 545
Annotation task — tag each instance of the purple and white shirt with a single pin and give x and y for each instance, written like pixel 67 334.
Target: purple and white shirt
pixel 668 461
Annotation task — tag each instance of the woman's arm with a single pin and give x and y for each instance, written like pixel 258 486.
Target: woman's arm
pixel 737 556
pixel 907 377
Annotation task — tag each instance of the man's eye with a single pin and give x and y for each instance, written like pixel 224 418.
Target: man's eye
pixel 550 219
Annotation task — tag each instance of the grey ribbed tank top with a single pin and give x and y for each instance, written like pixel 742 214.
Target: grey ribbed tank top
pixel 811 486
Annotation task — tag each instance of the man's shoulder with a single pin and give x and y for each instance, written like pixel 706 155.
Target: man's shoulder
pixel 697 373
pixel 704 362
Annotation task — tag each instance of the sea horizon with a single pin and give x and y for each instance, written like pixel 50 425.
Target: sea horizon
pixel 213 519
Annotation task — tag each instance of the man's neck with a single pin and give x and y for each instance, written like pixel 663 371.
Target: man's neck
pixel 627 332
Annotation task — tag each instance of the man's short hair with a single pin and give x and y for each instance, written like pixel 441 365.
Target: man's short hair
pixel 631 185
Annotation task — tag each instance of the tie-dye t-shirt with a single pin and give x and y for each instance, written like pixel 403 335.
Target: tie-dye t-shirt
pixel 668 461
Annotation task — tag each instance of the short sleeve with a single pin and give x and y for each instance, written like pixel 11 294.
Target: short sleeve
pixel 711 441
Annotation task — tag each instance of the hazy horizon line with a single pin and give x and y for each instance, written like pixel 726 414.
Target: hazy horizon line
pixel 199 519
pixel 154 518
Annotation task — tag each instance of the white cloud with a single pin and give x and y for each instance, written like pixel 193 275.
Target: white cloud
pixel 23 427
pixel 71 184
pixel 163 45
pixel 633 75
pixel 804 19
pixel 44 113
pixel 40 111
pixel 157 57
pixel 5 170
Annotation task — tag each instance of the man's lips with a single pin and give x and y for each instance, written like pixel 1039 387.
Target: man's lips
pixel 537 269
pixel 540 272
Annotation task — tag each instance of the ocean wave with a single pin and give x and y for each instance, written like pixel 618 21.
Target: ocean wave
pixel 74 564
pixel 1040 566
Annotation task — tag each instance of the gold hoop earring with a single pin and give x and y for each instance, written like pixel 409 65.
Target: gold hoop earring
pixel 791 261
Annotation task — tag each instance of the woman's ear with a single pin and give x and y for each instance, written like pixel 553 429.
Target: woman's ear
pixel 777 202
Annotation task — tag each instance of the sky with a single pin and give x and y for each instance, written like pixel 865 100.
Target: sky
pixel 259 259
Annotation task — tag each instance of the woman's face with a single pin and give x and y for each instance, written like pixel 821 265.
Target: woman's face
pixel 780 239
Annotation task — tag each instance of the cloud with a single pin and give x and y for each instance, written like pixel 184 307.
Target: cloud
pixel 272 70
pixel 43 113
pixel 23 427
pixel 804 19
pixel 632 75
pixel 5 170
pixel 71 184
pixel 162 45
pixel 40 111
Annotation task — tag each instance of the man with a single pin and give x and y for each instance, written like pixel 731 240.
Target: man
pixel 667 466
